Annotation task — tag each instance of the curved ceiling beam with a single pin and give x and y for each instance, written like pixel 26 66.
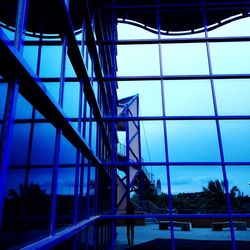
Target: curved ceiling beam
pixel 176 16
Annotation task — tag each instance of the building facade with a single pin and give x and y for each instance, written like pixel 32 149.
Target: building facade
pixel 71 77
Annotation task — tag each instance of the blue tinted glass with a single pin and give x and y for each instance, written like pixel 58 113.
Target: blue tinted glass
pixel 192 141
pixel 30 54
pixel 3 93
pixel 67 152
pixel 152 138
pixel 23 109
pixel 233 96
pixel 188 98
pixel 51 61
pixel 150 90
pixel 69 71
pixel 19 148
pixel 239 176
pixel 53 88
pixel 71 99
pixel 137 60
pixel 235 140
pixel 42 177
pixel 181 59
pixel 230 58
pixel 43 144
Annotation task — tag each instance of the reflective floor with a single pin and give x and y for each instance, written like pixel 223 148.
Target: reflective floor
pixel 151 232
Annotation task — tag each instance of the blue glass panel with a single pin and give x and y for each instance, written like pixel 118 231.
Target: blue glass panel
pixel 192 192
pixel 235 140
pixel 188 98
pixel 53 88
pixel 3 93
pixel 65 197
pixel 43 177
pixel 230 58
pixel 67 152
pixel 20 141
pixel 30 54
pixel 232 96
pixel 51 61
pixel 127 31
pixel 23 109
pixel 238 181
pixel 152 141
pixel 136 60
pixel 43 144
pixel 184 59
pixel 192 141
pixel 94 136
pixel 9 34
pixel 149 95
pixel 69 71
pixel 235 28
pixel 71 99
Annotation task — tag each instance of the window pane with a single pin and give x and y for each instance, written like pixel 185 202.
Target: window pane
pixel 51 61
pixel 184 59
pixel 23 109
pixel 198 189
pixel 136 60
pixel 192 141
pixel 233 96
pixel 235 140
pixel 43 144
pixel 67 152
pixel 30 54
pixel 147 90
pixel 188 98
pixel 3 93
pixel 20 141
pixel 230 58
pixel 152 141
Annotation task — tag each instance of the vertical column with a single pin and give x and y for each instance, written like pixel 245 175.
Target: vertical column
pixel 10 106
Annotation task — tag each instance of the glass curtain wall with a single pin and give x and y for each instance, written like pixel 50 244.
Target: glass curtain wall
pixel 188 62
pixel 53 137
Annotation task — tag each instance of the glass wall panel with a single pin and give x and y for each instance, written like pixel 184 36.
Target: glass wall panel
pixel 53 88
pixel 30 54
pixel 126 31
pixel 193 141
pixel 149 92
pixel 23 108
pixel 235 28
pixel 65 197
pixel 20 143
pixel 152 141
pixel 177 59
pixel 43 144
pixel 230 58
pixel 3 94
pixel 198 190
pixel 192 97
pixel 27 207
pixel 239 189
pixel 235 139
pixel 137 60
pixel 51 61
pixel 232 96
pixel 67 152
pixel 71 99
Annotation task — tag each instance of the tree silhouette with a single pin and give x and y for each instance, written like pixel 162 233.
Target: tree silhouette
pixel 215 194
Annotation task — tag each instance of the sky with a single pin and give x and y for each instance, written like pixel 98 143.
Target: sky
pixel 191 140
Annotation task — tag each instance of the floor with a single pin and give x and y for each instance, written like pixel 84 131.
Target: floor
pixel 151 232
